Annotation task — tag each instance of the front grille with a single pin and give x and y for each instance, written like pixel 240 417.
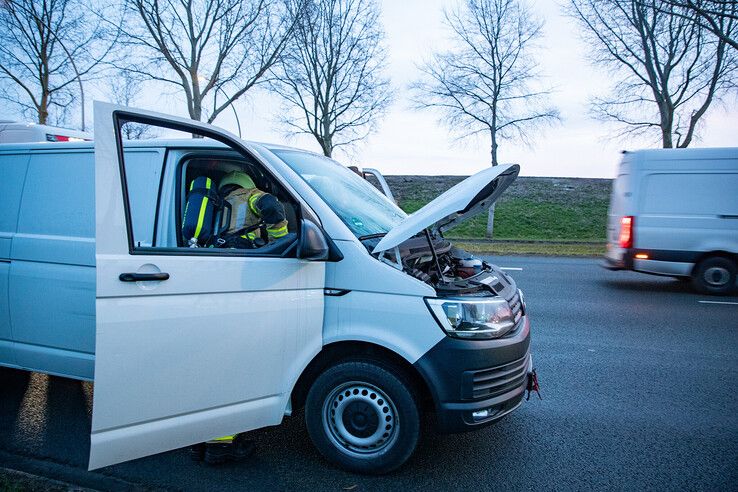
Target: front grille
pixel 516 306
pixel 495 381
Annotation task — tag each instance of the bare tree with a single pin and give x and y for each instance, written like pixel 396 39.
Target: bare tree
pixel 330 77
pixel 47 48
pixel 125 91
pixel 489 82
pixel 717 16
pixel 669 70
pixel 212 51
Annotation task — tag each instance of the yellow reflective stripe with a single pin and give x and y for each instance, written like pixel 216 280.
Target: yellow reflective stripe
pixel 278 232
pixel 249 235
pixel 225 438
pixel 252 202
pixel 201 217
pixel 208 184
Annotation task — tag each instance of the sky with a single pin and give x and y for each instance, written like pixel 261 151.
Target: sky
pixel 409 141
pixel 417 142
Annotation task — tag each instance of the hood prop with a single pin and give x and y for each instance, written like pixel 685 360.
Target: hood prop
pixel 435 255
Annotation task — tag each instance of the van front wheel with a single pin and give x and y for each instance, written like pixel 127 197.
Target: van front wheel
pixel 715 275
pixel 363 417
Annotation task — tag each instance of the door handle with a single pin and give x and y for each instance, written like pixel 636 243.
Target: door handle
pixel 139 277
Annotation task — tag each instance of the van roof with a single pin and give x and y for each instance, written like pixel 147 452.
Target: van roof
pixel 149 143
pixel 6 125
pixel 695 152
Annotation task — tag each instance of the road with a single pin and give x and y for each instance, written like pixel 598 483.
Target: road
pixel 638 380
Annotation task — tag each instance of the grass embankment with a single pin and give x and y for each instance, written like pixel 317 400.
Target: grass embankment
pixel 544 249
pixel 550 216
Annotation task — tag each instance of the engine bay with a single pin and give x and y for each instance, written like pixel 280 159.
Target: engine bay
pixel 450 270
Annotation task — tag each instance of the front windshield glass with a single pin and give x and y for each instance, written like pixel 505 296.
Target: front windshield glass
pixel 363 208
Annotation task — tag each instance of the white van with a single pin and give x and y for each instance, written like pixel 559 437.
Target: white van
pixel 675 212
pixel 14 132
pixel 364 316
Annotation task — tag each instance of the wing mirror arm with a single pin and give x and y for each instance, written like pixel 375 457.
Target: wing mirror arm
pixel 314 244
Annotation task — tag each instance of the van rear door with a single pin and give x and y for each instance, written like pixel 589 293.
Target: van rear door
pixel 620 206
pixel 191 344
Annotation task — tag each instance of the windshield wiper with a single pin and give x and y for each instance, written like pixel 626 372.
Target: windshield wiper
pixel 372 236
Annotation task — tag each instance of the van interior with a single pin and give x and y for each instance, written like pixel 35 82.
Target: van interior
pixel 215 165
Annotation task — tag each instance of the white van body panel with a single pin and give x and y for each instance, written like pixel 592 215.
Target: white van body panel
pixel 684 203
pixel 203 354
pixel 13 167
pixel 675 268
pixel 385 306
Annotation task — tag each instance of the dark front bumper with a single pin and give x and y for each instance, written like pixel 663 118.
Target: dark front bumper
pixel 468 376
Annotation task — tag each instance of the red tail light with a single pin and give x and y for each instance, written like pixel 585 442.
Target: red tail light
pixel 626 232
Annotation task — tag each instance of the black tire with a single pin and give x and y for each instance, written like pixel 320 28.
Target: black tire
pixel 381 408
pixel 715 275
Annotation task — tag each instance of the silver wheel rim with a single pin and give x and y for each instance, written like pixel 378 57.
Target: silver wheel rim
pixel 716 276
pixel 350 413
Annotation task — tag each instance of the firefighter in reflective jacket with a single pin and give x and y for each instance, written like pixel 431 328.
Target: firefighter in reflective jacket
pixel 251 207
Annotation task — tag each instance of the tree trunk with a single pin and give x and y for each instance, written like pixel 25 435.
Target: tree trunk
pixel 196 113
pixel 491 213
pixel 327 145
pixel 667 122
pixel 43 109
pixel 666 138
pixel 491 221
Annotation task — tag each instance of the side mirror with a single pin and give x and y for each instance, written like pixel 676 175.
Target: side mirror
pixel 312 245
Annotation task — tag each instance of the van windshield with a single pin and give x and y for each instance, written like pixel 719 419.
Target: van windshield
pixel 363 208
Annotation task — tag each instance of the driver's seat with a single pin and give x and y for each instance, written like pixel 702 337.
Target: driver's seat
pixel 201 211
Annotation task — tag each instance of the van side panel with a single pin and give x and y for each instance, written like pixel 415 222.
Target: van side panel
pixel 13 171
pixel 687 210
pixel 52 274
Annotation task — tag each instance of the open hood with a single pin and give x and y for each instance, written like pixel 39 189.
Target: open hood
pixel 472 196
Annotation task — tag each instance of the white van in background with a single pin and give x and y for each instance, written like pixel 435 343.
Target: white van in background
pixel 16 132
pixel 675 212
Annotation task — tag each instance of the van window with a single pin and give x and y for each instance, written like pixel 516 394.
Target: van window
pixel 202 197
pixel 143 172
pixel 691 194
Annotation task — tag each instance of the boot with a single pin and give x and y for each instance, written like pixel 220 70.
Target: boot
pixel 197 452
pixel 217 452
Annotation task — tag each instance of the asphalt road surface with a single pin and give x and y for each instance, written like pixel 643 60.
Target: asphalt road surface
pixel 638 379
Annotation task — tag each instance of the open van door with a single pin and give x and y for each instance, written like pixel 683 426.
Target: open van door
pixel 191 344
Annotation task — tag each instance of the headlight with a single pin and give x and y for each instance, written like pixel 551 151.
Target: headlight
pixel 472 318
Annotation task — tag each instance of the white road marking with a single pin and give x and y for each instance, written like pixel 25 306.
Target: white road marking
pixel 719 302
pixel 512 268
